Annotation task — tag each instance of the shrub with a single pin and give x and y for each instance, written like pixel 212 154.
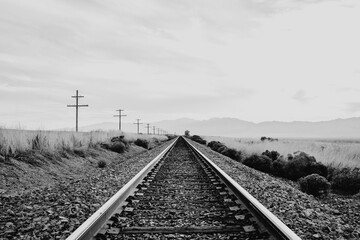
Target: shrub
pixel 278 167
pixel 314 184
pixel 215 145
pixel 269 139
pixel 233 154
pixel 117 144
pixel 187 133
pixel 302 165
pixel 261 163
pixel 79 152
pixel 142 143
pixel 346 180
pixel 222 149
pixel 320 169
pixel 101 164
pixel 271 154
pixel 118 147
pixel 198 139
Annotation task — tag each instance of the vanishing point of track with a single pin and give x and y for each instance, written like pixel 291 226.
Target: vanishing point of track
pixel 182 194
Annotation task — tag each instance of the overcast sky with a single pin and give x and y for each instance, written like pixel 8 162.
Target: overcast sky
pixel 255 60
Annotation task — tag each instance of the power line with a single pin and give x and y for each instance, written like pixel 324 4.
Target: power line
pixel 77 107
pixel 138 124
pixel 120 115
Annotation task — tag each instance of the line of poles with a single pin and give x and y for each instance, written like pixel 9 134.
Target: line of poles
pixel 149 127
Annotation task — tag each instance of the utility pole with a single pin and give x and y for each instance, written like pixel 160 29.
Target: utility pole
pixel 158 130
pixel 77 107
pixel 138 124
pixel 120 115
pixel 148 128
pixel 154 130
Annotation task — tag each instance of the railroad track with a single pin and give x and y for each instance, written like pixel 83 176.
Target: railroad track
pixel 181 194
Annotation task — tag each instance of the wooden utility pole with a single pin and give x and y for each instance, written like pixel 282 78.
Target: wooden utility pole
pixel 77 108
pixel 154 130
pixel 148 128
pixel 138 124
pixel 120 115
pixel 158 130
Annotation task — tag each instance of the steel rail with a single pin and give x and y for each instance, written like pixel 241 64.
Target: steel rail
pixel 92 225
pixel 276 226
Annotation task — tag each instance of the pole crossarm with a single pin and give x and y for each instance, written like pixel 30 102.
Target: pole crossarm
pixel 120 115
pixel 138 124
pixel 76 106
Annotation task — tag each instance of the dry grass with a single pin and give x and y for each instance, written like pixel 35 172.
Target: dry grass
pixel 338 153
pixel 21 140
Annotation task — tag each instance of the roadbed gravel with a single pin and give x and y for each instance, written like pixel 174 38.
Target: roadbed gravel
pixel 55 211
pixel 330 217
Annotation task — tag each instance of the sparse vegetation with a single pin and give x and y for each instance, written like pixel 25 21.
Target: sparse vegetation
pixel 336 153
pixel 14 143
pixel 296 166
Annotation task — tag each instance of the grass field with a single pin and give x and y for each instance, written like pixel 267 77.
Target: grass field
pixel 338 153
pixel 21 140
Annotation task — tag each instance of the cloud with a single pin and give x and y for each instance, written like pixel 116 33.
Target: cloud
pixel 301 96
pixel 353 107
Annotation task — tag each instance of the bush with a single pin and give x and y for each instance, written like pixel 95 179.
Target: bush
pixel 142 143
pixel 346 180
pixel 187 133
pixel 118 147
pixel 79 152
pixel 278 167
pixel 215 145
pixel 269 139
pixel 198 139
pixel 101 164
pixel 117 144
pixel 314 184
pixel 233 154
pixel 261 163
pixel 302 165
pixel 273 154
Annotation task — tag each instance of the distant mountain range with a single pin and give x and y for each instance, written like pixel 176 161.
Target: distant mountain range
pixel 232 127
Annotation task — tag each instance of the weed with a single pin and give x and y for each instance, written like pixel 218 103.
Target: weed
pixel 101 164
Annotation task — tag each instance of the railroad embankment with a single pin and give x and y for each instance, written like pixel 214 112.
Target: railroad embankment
pixel 327 217
pixel 48 194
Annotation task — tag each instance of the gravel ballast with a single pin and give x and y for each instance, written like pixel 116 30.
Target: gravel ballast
pixel 329 217
pixel 54 211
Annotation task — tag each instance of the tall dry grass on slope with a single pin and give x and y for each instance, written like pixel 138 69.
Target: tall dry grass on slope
pixel 338 153
pixel 12 141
